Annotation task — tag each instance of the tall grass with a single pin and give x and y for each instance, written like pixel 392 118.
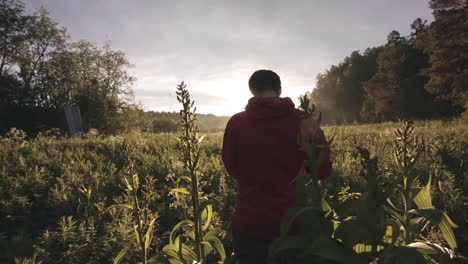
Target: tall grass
pixel 58 195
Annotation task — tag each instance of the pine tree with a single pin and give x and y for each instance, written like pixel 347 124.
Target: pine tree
pixel 446 43
pixel 397 89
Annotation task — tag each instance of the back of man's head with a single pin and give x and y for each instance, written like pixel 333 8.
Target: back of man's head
pixel 263 80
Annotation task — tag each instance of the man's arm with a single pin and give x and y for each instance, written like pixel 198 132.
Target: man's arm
pixel 229 150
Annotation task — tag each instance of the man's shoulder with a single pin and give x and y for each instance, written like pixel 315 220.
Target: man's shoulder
pixel 298 113
pixel 295 114
pixel 237 117
pixel 235 120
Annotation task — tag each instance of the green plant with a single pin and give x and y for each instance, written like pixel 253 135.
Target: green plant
pixel 191 240
pixel 364 224
pixel 144 218
pixel 416 211
pixel 32 260
pixel 316 244
pixel 41 178
pixel 387 228
pixel 387 223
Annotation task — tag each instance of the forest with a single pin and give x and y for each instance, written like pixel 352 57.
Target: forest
pixel 150 187
pixel 420 76
pixel 42 70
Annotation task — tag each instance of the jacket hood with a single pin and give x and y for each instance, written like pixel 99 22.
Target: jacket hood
pixel 260 108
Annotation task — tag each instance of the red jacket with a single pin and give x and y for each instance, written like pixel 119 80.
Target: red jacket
pixel 260 150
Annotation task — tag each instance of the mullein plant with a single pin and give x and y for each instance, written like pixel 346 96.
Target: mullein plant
pixel 192 240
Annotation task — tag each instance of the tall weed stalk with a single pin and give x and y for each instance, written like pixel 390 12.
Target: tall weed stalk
pixel 144 220
pixel 192 240
pixel 385 224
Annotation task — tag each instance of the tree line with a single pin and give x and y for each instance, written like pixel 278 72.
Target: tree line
pixel 420 76
pixel 42 70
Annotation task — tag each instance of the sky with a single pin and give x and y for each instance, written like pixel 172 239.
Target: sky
pixel 215 45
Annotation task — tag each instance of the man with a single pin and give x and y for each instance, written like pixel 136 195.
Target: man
pixel 260 150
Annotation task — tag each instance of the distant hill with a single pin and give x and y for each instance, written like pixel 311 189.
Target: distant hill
pixel 169 122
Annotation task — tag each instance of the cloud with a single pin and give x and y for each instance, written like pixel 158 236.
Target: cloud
pixel 208 41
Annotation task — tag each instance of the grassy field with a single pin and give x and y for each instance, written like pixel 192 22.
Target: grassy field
pixel 57 195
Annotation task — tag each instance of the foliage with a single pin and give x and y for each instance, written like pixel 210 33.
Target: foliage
pixel 169 122
pixel 339 92
pixel 316 243
pixel 45 179
pixel 419 76
pixel 445 43
pixel 144 220
pixel 196 240
pixel 41 71
pixel 376 225
pixel 397 89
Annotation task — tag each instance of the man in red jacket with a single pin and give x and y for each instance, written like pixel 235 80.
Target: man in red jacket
pixel 260 150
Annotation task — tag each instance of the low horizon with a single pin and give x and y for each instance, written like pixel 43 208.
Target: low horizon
pixel 208 47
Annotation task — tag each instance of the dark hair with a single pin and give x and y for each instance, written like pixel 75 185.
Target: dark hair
pixel 262 80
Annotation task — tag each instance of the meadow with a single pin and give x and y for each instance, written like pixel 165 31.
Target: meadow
pixel 61 198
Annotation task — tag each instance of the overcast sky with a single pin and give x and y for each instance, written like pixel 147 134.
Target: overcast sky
pixel 215 45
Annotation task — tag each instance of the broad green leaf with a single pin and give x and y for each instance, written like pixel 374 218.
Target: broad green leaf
pixel 216 232
pixel 181 252
pixel 173 255
pixel 160 258
pixel 121 255
pixel 401 190
pixel 207 248
pixel 428 248
pixel 186 178
pixel 389 201
pixel 423 198
pixel 149 233
pixel 218 246
pixel 191 235
pixel 325 206
pixel 176 228
pixel 416 226
pixel 180 190
pixel 205 212
pixel 213 235
pixel 292 214
pixel 206 216
pixel 137 235
pixel 394 214
pixel 441 219
pixel 188 254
